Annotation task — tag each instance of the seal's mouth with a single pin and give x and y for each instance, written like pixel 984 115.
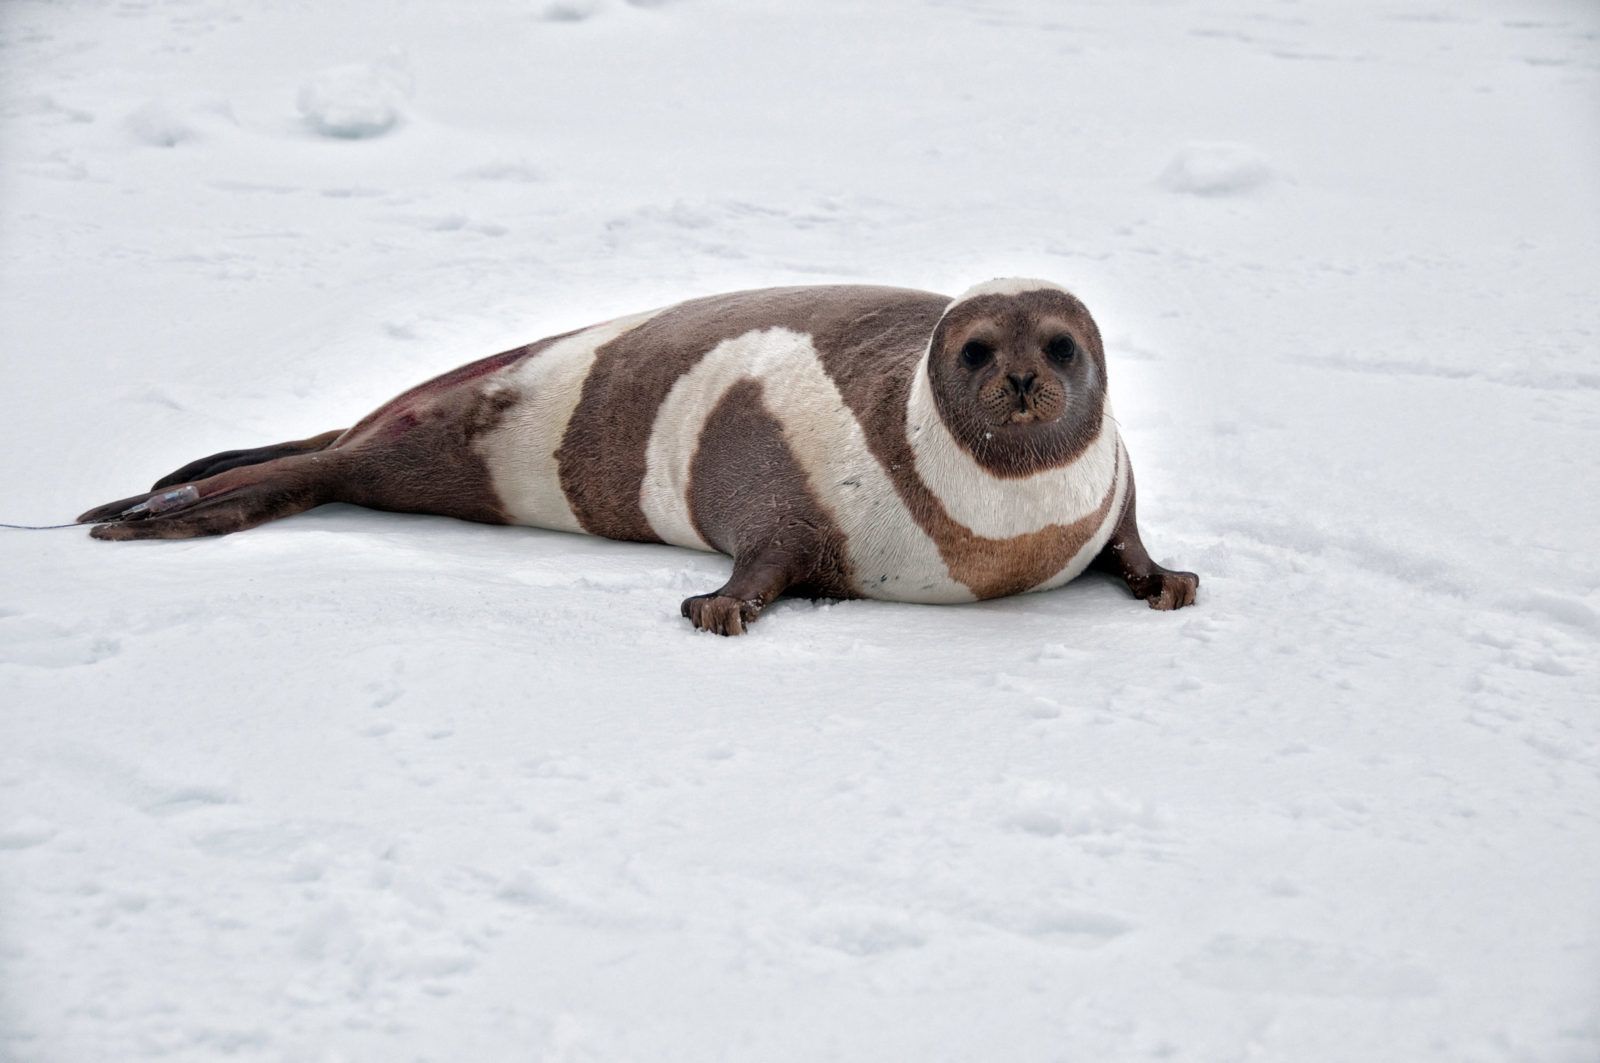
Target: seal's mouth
pixel 1019 410
pixel 1021 400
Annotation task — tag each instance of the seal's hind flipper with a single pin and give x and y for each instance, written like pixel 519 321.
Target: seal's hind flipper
pixel 112 510
pixel 227 502
pixel 237 459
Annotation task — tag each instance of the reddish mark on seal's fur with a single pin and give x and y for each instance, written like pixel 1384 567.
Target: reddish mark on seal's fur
pixel 401 413
pixel 398 423
pixel 415 454
pixel 424 461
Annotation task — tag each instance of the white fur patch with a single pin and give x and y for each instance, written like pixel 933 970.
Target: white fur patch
pixel 1006 286
pixel 1097 542
pixel 891 555
pixel 521 451
pixel 996 507
pixel 675 436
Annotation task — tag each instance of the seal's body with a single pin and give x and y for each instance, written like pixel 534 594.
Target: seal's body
pixel 844 442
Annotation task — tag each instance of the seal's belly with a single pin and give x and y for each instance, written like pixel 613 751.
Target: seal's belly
pixel 978 537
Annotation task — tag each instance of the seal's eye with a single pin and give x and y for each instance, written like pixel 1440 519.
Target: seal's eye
pixel 1061 350
pixel 976 354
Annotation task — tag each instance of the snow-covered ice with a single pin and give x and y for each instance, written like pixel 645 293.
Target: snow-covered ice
pixel 360 786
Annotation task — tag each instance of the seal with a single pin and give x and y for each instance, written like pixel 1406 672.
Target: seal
pixel 840 441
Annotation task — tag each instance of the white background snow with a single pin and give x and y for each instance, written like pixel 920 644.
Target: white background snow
pixel 359 786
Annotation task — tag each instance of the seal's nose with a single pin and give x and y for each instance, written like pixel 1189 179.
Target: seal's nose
pixel 1021 383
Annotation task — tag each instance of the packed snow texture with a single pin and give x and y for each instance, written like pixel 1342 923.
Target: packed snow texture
pixel 363 786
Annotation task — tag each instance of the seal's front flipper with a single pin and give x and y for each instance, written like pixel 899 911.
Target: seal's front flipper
pixel 1124 556
pixel 755 583
pixel 1164 588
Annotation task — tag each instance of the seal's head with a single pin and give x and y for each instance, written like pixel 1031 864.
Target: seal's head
pixel 1018 375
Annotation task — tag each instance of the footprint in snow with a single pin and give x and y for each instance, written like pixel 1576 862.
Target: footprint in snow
pixel 859 930
pixel 178 799
pixel 1059 925
pixel 26 833
pixel 163 123
pixel 519 172
pixel 42 644
pixel 1297 967
pixel 1050 810
pixel 569 10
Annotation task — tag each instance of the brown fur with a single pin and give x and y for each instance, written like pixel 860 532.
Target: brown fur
pixel 1066 402
pixel 602 457
pixel 420 458
pixel 749 497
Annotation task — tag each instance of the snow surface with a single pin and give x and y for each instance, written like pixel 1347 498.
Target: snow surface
pixel 359 786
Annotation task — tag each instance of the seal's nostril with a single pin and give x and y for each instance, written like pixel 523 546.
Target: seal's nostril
pixel 1022 383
